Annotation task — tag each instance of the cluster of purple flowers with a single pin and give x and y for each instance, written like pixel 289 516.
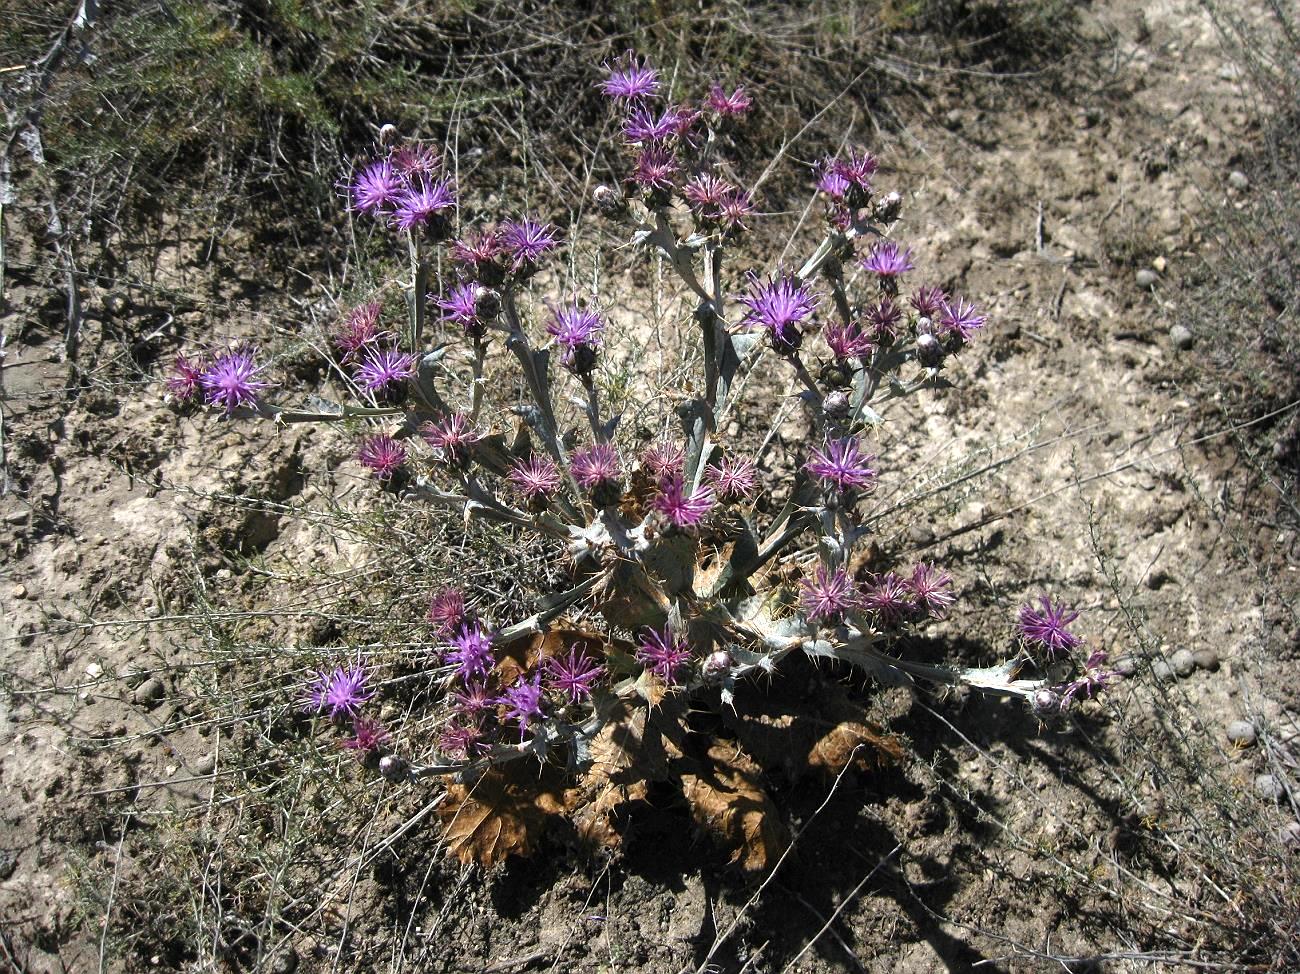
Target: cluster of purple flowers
pixel 339 694
pixel 230 380
pixel 1043 631
pixel 407 189
pixel 830 594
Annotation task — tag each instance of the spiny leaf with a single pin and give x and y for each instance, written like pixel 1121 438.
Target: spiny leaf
pixel 725 797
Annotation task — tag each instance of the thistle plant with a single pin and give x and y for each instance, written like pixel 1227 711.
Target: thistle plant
pixel 694 592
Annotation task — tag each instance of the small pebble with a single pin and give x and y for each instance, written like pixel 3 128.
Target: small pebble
pixel 1126 666
pixel 1162 671
pixel 1181 336
pixel 1147 278
pixel 16 517
pixel 1206 659
pixel 1183 662
pixel 150 691
pixel 94 671
pixel 1238 179
pixel 1159 264
pixel 1241 733
pixel 206 764
pixel 1268 787
pixel 19 591
pixel 285 962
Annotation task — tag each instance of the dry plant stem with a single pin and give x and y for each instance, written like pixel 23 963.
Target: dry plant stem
pixel 419 287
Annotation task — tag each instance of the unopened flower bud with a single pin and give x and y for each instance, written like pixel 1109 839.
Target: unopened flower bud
pixel 609 201
pixel 928 351
pixel 388 134
pixel 1045 702
pixel 887 207
pixel 487 303
pixel 836 404
pixel 392 767
pixel 717 665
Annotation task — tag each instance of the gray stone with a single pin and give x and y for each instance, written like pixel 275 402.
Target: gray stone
pixel 1269 787
pixel 285 962
pixel 1183 662
pixel 206 764
pixel 8 863
pixel 149 692
pixel 1181 337
pixel 1206 659
pixel 1238 179
pixel 1126 666
pixel 1162 671
pixel 1147 278
pixel 1241 733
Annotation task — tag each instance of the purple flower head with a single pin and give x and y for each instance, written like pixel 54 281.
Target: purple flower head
pixel 360 331
pixel 778 305
pixel 385 367
pixel 473 700
pixel 928 301
pixel 735 208
pixel 471 651
pixel 578 330
pixel 422 202
pixel 446 610
pixel 367 736
pixel 452 439
pixel 962 317
pixel 186 379
pixel 890 597
pixel 684 119
pixel 643 126
pixel 664 653
pixel 462 739
pixel 573 675
pixel 340 691
pixel 1093 679
pixel 537 478
pixel 478 249
pixel 859 169
pixel 527 241
pixel 523 702
pixel 655 169
pixel 704 193
pixel 596 465
pixel 461 307
pixel 382 454
pixel 1047 626
pixel 663 459
pixel 841 464
pixel 734 479
pixel 886 260
pixel 415 159
pixel 630 79
pixel 846 341
pixel 884 318
pixel 931 587
pixel 831 179
pixel 231 380
pixel 683 509
pixel 376 187
pixel 733 105
pixel 828 594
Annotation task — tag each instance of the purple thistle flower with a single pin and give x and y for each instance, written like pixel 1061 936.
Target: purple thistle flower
pixel 462 739
pixel 779 305
pixel 1047 626
pixel 382 454
pixel 842 464
pixel 478 249
pixel 890 597
pixel 595 466
pixel 186 379
pixel 368 736
pixel 538 478
pixel 341 691
pixel 663 459
pixel 884 318
pixel 663 653
pixel 683 509
pixel 231 381
pixel 859 169
pixel 452 439
pixel 376 186
pixel 733 105
pixel 385 367
pixel 735 207
pixel 734 479
pixel 415 159
pixel 578 330
pixel 831 179
pixel 642 126
pixel 932 588
pixel 461 306
pixel 846 341
pixel 630 79
pixel 526 241
pixel 962 317
pixel 928 301
pixel 473 700
pixel 471 651
pixel 446 610
pixel 573 675
pixel 828 594
pixel 523 702
pixel 422 202
pixel 886 260
pixel 655 168
pixel 360 331
pixel 705 193
pixel 1094 678
pixel 684 119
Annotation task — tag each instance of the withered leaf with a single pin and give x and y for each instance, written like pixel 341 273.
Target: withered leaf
pixel 725 797
pixel 522 656
pixel 503 813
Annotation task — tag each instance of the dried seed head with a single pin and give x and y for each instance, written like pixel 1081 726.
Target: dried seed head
pixel 929 352
pixel 392 767
pixel 887 207
pixel 388 134
pixel 609 201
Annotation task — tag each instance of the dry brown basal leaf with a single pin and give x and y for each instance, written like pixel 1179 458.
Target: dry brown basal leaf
pixel 522 656
pixel 503 813
pixel 725 798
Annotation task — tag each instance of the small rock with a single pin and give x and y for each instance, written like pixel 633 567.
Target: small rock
pixel 1269 787
pixel 1238 179
pixel 206 764
pixel 94 671
pixel 1241 733
pixel 285 962
pixel 16 517
pixel 8 863
pixel 1181 336
pixel 1147 278
pixel 149 692
pixel 1290 835
pixel 19 591
pixel 1159 264
pixel 1126 666
pixel 1206 659
pixel 1162 671
pixel 1183 662
pixel 920 534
